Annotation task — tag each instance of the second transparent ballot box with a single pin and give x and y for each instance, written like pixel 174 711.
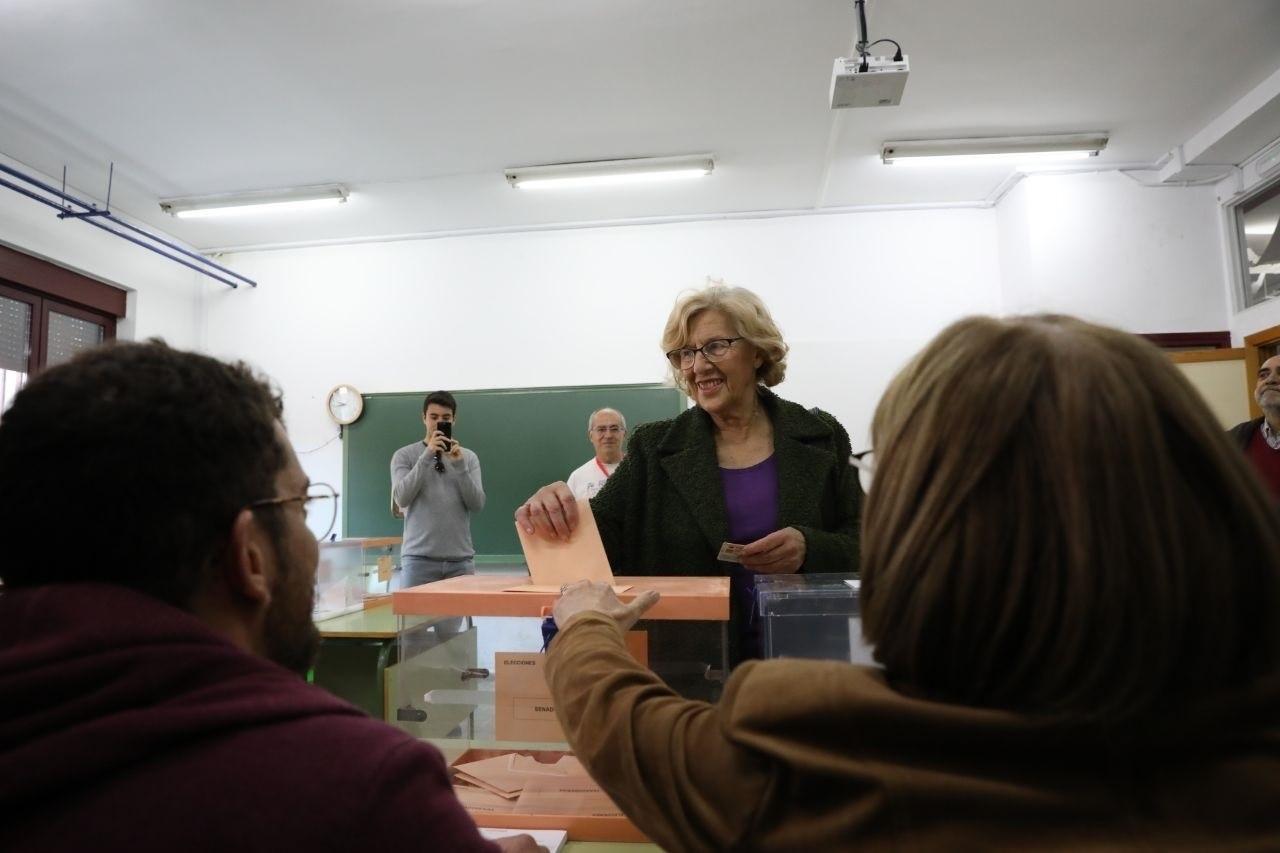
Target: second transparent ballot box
pixel 811 616
pixel 472 664
pixel 339 579
pixel 351 570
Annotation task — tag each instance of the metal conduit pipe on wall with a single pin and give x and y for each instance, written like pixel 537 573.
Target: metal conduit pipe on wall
pixel 91 213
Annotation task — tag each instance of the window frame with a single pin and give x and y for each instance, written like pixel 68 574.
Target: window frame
pixel 48 287
pixel 1269 186
pixel 8 291
pixel 48 306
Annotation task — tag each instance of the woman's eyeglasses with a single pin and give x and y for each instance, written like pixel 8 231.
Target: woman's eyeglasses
pixel 712 351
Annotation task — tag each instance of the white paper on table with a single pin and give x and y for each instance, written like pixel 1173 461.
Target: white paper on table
pixel 552 839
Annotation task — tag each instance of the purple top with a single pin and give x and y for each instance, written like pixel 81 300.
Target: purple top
pixel 751 507
pixel 751 500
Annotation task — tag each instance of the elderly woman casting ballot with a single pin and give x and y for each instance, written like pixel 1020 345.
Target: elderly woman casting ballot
pixel 1071 580
pixel 743 466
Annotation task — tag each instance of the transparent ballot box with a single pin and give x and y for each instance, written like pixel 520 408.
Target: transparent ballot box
pixel 339 579
pixel 810 616
pixel 471 653
pixel 351 570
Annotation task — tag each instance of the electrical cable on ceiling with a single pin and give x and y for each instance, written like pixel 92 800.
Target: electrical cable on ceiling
pixel 864 46
pixel 897 56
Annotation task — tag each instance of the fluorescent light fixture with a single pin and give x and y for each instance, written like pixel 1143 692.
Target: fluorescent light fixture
pixel 255 201
pixel 994 150
pixel 611 172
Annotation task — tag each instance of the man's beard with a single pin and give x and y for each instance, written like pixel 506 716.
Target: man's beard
pixel 291 636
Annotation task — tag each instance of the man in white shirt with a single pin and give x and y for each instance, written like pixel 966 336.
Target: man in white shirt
pixel 607 430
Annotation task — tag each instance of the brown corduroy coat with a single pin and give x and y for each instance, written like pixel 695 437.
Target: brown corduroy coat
pixel 822 756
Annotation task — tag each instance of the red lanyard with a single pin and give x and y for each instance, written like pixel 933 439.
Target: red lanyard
pixel 603 470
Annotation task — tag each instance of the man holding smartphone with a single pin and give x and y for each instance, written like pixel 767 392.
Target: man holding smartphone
pixel 436 481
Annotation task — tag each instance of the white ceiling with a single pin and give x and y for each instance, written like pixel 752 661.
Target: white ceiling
pixel 419 105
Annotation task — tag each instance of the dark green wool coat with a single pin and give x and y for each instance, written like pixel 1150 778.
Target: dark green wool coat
pixel 662 511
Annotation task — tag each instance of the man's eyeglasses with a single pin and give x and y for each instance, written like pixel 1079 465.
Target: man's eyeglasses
pixel 612 429
pixel 712 351
pixel 320 503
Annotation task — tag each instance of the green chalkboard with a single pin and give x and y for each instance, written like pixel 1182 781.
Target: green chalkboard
pixel 525 438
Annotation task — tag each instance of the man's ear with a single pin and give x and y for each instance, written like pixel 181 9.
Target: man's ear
pixel 248 568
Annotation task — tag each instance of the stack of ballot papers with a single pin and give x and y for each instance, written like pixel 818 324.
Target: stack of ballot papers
pixel 512 783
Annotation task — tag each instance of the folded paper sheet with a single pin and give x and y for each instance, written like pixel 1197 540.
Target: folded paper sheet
pixel 478 800
pixel 573 795
pixel 618 589
pixel 582 557
pixel 495 775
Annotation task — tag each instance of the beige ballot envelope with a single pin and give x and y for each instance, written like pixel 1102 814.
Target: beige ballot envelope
pixel 554 564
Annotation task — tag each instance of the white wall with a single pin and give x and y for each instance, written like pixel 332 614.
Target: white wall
pixel 1104 248
pixel 164 298
pixel 855 296
pixel 1255 319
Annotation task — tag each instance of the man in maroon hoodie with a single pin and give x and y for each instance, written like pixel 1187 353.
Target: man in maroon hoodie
pixel 156 615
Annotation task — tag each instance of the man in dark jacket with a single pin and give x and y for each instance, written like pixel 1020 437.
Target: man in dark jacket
pixel 1260 437
pixel 159 576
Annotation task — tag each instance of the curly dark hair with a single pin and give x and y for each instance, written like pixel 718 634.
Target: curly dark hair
pixel 128 464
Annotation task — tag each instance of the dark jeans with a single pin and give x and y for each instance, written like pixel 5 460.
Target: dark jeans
pixel 415 571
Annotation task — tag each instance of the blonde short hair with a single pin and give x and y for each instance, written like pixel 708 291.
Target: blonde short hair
pixel 751 321
pixel 1059 526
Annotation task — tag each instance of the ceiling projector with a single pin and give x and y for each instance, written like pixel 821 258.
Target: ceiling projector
pixel 877 84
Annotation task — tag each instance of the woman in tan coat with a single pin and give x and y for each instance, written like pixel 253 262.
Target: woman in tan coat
pixel 1072 583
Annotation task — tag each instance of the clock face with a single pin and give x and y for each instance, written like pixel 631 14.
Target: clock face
pixel 345 404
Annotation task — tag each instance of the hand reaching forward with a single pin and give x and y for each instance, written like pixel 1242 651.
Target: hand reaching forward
pixel 581 596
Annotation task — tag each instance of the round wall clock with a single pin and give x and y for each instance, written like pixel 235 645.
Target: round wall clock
pixel 345 404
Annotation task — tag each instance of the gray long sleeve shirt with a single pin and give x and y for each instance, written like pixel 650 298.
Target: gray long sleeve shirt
pixel 437 504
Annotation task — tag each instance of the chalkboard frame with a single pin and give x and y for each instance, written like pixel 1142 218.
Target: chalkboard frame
pixel 553 444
